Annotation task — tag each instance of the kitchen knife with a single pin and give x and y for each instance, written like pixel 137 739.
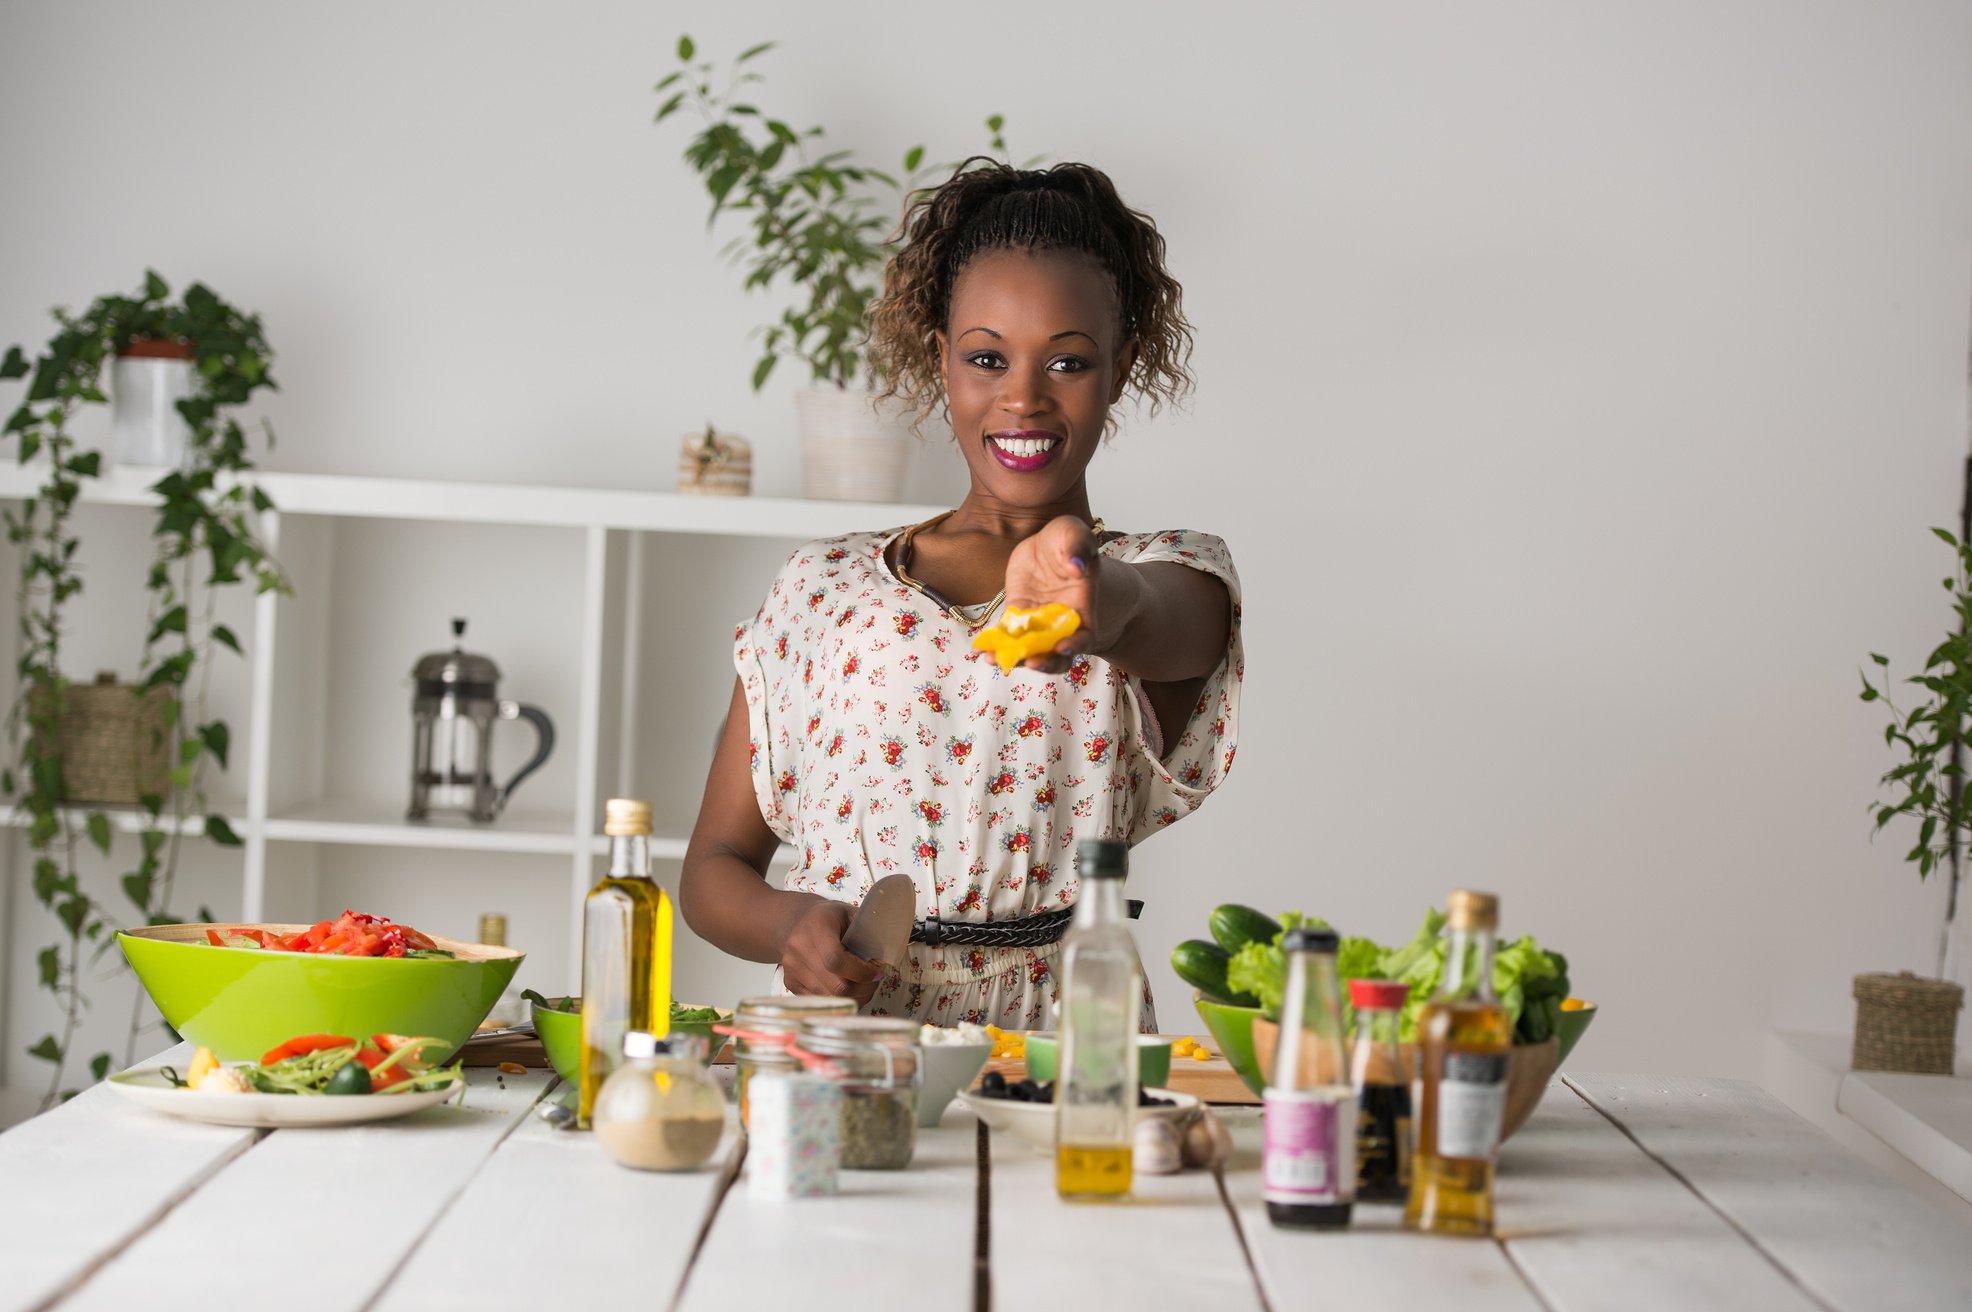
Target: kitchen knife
pixel 882 925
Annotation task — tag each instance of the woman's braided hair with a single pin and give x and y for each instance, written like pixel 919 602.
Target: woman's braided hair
pixel 989 206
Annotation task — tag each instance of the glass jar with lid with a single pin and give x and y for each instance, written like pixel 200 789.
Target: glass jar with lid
pixel 660 1110
pixel 762 1027
pixel 874 1059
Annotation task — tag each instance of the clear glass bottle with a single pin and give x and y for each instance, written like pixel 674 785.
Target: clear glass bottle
pixel 1101 1000
pixel 626 951
pixel 764 1024
pixel 660 1109
pixel 1383 1091
pixel 875 1060
pixel 1308 1169
pixel 510 1009
pixel 1462 1039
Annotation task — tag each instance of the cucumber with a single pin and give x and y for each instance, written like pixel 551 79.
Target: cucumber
pixel 1203 966
pixel 1234 926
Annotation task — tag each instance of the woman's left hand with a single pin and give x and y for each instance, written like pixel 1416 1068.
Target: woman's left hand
pixel 1058 564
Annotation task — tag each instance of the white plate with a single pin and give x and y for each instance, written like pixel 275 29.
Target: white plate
pixel 271 1110
pixel 1033 1122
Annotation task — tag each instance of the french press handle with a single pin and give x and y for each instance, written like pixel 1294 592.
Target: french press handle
pixel 544 730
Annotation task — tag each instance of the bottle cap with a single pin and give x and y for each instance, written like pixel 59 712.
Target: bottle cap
pixel 1102 858
pixel 625 817
pixel 639 1045
pixel 1378 994
pixel 493 930
pixel 1310 940
pixel 1465 909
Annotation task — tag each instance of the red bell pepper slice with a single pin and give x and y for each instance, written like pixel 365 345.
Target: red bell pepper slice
pixel 304 1044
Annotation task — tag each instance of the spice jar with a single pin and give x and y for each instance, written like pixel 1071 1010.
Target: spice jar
pixel 791 1139
pixel 762 1028
pixel 874 1059
pixel 660 1110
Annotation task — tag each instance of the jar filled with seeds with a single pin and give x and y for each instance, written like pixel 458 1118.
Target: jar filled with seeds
pixel 764 1025
pixel 875 1061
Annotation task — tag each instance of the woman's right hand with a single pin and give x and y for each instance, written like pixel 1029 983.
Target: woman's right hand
pixel 813 959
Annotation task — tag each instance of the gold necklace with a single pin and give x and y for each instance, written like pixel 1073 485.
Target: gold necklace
pixel 905 548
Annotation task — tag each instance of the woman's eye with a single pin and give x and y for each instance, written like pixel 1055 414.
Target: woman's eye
pixel 984 359
pixel 1069 364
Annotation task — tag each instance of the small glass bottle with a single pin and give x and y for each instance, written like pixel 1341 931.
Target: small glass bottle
pixel 626 951
pixel 660 1110
pixel 1308 1168
pixel 1462 1040
pixel 1101 998
pixel 1383 1092
pixel 509 1010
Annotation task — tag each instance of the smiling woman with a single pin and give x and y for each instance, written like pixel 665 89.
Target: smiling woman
pixel 867 732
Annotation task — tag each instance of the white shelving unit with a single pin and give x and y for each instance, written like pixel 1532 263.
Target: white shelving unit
pixel 610 525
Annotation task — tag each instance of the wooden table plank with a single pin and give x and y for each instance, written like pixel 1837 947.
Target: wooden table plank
pixel 324 1216
pixel 80 1182
pixel 1173 1244
pixel 613 1235
pixel 1375 1264
pixel 1593 1222
pixel 889 1239
pixel 1851 1236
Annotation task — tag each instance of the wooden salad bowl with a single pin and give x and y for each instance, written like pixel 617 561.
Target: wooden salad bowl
pixel 1529 1067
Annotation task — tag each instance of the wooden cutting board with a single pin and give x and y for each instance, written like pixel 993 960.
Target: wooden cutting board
pixel 1213 1081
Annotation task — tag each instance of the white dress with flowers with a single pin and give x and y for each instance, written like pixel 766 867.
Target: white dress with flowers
pixel 880 742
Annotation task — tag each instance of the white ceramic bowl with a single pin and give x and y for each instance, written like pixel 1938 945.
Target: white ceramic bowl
pixel 1033 1122
pixel 947 1068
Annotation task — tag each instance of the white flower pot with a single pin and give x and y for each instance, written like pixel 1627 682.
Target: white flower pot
pixel 146 386
pixel 852 447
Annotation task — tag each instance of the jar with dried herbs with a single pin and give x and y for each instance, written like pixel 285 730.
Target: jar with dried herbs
pixel 875 1061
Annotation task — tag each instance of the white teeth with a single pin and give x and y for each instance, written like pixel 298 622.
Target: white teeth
pixel 1024 447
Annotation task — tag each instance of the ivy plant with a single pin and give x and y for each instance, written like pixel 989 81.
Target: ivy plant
pixel 205 538
pixel 819 222
pixel 1927 783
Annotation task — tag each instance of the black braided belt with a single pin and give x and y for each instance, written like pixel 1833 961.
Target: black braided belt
pixel 1026 932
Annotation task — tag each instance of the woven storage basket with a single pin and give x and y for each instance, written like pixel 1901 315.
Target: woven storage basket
pixel 114 744
pixel 1905 1022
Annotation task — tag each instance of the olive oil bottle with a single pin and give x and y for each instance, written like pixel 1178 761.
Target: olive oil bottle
pixel 626 951
pixel 1101 1000
pixel 1462 1038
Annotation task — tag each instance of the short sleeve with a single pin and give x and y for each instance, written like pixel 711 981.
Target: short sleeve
pixel 1175 767
pixel 765 655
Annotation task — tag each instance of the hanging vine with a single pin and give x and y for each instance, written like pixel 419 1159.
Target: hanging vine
pixel 206 515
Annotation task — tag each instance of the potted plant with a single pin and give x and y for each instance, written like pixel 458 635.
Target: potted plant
pixel 1905 1021
pixel 205 537
pixel 819 225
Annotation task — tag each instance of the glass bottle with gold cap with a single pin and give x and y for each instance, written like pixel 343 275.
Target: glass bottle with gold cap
pixel 1462 1039
pixel 626 951
pixel 510 1008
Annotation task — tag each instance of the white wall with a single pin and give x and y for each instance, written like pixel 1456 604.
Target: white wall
pixel 1576 385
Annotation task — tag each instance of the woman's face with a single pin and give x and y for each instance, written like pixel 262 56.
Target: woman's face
pixel 1033 358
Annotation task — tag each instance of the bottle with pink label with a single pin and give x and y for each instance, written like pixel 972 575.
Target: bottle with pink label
pixel 1309 1169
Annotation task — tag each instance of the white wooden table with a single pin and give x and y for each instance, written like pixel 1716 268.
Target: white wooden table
pixel 1622 1192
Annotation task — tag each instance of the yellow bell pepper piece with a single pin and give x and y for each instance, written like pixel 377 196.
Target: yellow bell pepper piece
pixel 1023 633
pixel 204 1063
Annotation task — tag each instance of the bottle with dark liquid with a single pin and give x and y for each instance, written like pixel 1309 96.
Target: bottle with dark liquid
pixel 1309 1167
pixel 1462 1039
pixel 1383 1092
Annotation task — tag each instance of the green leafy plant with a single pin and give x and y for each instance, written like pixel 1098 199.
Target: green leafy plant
pixel 819 221
pixel 205 516
pixel 1928 783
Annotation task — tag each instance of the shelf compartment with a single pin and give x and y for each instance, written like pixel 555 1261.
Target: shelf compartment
pixel 369 824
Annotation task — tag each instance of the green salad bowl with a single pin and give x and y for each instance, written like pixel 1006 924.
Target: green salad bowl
pixel 240 1002
pixel 1570 1025
pixel 561 1035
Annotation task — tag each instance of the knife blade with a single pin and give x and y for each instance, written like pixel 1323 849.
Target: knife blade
pixel 881 927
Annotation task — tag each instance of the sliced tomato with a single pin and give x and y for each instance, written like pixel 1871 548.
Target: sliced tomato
pixel 372 1059
pixel 305 1043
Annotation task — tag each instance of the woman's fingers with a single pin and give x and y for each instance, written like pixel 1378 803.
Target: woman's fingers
pixel 813 959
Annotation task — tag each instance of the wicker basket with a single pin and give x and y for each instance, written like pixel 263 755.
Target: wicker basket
pixel 1905 1022
pixel 114 744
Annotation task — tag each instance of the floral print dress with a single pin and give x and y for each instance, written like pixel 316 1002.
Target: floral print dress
pixel 880 743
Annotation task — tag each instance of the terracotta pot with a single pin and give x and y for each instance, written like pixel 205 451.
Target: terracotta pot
pixel 1529 1067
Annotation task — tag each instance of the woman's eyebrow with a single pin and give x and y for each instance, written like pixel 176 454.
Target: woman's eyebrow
pixel 988 331
pixel 1072 332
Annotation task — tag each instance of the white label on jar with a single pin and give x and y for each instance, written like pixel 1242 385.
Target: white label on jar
pixel 1310 1153
pixel 1471 1104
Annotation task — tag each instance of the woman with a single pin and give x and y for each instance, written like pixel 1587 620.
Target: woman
pixel 867 732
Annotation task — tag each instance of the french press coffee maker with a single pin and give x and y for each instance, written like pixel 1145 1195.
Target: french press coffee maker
pixel 452 716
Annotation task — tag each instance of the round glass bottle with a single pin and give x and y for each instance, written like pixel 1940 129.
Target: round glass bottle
pixel 660 1110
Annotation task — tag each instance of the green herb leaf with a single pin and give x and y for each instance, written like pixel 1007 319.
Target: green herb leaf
pixel 217 738
pixel 221 832
pixel 98 826
pixel 47 1050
